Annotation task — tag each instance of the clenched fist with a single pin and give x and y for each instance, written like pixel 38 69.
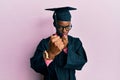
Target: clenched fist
pixel 56 45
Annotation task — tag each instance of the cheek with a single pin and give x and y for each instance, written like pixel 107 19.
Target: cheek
pixel 59 31
pixel 65 32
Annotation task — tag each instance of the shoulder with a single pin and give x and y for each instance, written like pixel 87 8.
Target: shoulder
pixel 44 42
pixel 74 43
pixel 74 39
pixel 71 37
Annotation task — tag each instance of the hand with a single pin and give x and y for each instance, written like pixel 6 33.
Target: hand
pixel 65 40
pixel 55 46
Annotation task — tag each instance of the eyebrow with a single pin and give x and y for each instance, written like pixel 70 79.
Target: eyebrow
pixel 64 26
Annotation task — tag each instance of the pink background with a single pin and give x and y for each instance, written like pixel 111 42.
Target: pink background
pixel 23 23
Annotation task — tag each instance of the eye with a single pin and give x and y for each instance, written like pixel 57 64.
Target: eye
pixel 66 27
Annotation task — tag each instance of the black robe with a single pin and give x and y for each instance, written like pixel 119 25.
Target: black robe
pixel 64 65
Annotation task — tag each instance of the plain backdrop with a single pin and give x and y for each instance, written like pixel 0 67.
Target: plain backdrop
pixel 23 23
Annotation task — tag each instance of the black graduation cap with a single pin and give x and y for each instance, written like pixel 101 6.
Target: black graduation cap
pixel 62 13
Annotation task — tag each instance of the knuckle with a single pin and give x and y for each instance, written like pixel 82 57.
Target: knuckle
pixel 52 40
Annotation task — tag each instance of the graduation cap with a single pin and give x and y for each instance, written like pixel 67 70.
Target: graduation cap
pixel 62 13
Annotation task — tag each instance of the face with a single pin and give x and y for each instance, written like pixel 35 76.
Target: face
pixel 63 27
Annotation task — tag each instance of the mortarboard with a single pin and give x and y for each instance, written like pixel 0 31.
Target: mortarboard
pixel 62 13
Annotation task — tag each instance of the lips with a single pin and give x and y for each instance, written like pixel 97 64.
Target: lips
pixel 64 33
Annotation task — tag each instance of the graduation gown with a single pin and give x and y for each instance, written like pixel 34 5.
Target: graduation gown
pixel 64 65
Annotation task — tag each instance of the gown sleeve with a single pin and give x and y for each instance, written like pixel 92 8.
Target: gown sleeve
pixel 37 61
pixel 76 56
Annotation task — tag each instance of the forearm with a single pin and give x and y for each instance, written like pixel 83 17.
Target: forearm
pixel 38 64
pixel 48 59
pixel 76 58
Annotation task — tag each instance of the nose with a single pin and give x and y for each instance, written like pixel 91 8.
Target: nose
pixel 63 30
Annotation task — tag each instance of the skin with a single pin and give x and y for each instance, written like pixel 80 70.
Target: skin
pixel 57 43
pixel 64 23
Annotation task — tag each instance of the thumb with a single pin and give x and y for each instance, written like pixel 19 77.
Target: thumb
pixel 64 37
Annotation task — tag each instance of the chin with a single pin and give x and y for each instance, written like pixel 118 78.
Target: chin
pixel 65 34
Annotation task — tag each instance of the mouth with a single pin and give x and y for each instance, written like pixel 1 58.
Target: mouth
pixel 65 34
pixel 61 33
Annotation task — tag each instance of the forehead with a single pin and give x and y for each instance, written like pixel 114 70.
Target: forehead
pixel 64 23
